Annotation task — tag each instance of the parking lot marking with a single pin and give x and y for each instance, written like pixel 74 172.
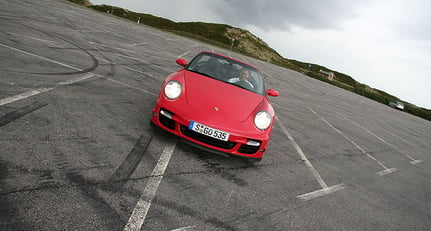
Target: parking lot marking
pixel 128 85
pixel 41 57
pixel 136 44
pixel 67 82
pixel 409 143
pixel 181 55
pixel 141 72
pixel 23 95
pixel 191 227
pixel 322 192
pixel 325 189
pixel 137 218
pixel 77 79
pixel 386 170
pixel 413 161
pixel 37 39
pixel 112 47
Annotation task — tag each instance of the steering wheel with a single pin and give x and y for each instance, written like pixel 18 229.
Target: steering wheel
pixel 243 84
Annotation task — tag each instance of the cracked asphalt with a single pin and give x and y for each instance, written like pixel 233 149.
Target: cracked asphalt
pixel 77 151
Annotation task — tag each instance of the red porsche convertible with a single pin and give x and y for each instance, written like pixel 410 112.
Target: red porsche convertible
pixel 218 103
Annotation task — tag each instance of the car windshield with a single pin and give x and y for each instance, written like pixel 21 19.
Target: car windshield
pixel 228 70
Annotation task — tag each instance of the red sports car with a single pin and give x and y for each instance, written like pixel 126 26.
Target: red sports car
pixel 218 103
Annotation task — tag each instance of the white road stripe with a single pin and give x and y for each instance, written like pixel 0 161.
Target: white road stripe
pixel 325 189
pixel 192 227
pixel 302 155
pixel 23 95
pixel 37 39
pixel 413 161
pixel 386 170
pixel 77 79
pixel 112 47
pixel 141 72
pixel 136 44
pixel 67 82
pixel 322 192
pixel 183 54
pixel 137 218
pixel 130 86
pixel 41 57
pixel 42 90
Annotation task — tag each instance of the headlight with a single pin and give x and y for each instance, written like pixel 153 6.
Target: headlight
pixel 262 120
pixel 173 89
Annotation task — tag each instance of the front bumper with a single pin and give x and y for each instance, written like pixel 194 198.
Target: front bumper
pixel 238 144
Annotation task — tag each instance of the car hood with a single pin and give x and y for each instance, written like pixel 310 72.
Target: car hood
pixel 219 101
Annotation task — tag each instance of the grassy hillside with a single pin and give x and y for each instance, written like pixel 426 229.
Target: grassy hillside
pixel 246 43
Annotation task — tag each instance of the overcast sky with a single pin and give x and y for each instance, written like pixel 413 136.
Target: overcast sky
pixel 385 44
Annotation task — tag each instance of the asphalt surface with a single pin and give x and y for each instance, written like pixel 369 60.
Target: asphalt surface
pixel 77 151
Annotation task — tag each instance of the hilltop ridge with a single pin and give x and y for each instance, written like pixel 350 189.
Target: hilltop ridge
pixel 243 41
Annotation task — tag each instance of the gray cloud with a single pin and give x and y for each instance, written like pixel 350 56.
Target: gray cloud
pixel 283 14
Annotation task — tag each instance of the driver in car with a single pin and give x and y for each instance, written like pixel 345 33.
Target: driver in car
pixel 244 74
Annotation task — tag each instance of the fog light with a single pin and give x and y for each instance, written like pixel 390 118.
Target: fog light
pixel 154 114
pixel 262 150
pixel 253 143
pixel 165 113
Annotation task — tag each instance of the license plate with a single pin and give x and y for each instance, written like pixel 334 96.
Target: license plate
pixel 208 131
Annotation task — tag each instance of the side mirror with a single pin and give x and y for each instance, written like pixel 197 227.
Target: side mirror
pixel 272 92
pixel 181 62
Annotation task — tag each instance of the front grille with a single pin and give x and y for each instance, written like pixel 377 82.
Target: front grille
pixel 169 123
pixel 247 149
pixel 206 139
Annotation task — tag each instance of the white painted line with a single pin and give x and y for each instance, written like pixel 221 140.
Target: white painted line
pixel 195 45
pixel 92 31
pixel 417 137
pixel 128 85
pixel 288 80
pixel 141 72
pixel 325 189
pixel 353 142
pixel 412 145
pixel 37 39
pixel 416 161
pixel 23 95
pixel 135 44
pixel 413 161
pixel 338 131
pixel 302 155
pixel 183 54
pixel 386 171
pixel 192 227
pixel 41 57
pixel 109 46
pixel 130 57
pixel 77 79
pixel 42 90
pixel 139 214
pixel 145 73
pixel 166 69
pixel 67 82
pixel 322 192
